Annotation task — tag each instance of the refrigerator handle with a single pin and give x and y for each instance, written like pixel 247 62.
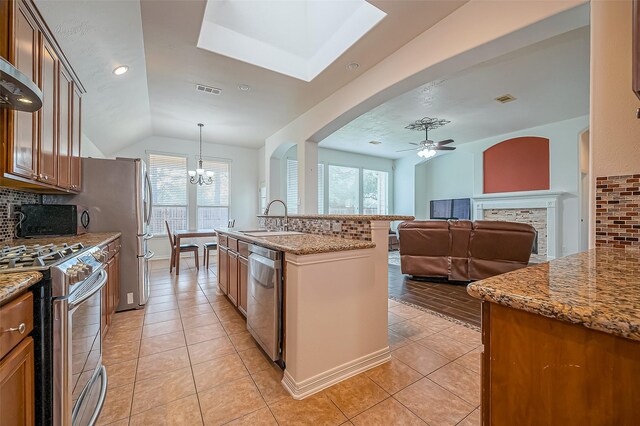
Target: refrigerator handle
pixel 149 199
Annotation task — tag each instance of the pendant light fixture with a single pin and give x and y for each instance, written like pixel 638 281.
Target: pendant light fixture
pixel 199 176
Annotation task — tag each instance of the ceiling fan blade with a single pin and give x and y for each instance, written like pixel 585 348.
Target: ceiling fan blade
pixel 413 143
pixel 444 148
pixel 444 142
pixel 404 150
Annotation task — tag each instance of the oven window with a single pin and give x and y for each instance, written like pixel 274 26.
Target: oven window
pixel 85 343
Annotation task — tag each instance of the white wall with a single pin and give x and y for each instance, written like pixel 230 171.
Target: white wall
pixel 89 149
pixel 339 158
pixel 460 174
pixel 244 178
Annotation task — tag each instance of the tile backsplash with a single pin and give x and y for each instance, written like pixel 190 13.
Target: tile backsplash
pixel 344 228
pixel 7 197
pixel 618 211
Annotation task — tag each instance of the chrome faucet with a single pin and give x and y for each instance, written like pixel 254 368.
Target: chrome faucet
pixel 285 224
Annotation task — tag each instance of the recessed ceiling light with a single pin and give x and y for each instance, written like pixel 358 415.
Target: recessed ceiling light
pixel 352 66
pixel 375 142
pixel 120 70
pixel 244 87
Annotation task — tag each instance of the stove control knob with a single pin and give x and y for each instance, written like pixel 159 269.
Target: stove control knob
pixel 72 275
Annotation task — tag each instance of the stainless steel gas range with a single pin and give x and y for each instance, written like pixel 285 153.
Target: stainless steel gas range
pixel 71 381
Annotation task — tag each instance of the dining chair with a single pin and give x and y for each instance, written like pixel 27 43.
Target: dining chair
pixel 208 248
pixel 184 248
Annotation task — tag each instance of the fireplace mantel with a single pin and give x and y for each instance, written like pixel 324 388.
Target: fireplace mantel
pixel 526 200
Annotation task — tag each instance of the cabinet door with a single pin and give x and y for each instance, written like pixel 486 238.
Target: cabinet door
pixel 17 385
pixel 23 139
pixel 64 128
pixel 223 269
pixel 76 139
pixel 243 280
pixel 48 123
pixel 233 277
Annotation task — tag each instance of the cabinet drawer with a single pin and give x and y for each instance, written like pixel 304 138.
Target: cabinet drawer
pixel 233 244
pixel 111 248
pixel 243 248
pixel 18 317
pixel 223 240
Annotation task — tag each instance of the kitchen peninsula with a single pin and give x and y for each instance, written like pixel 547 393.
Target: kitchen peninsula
pixel 334 297
pixel 562 341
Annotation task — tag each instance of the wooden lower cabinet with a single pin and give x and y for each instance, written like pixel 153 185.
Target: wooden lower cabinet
pixel 233 270
pixel 111 290
pixel 223 269
pixel 542 371
pixel 233 277
pixel 243 279
pixel 17 397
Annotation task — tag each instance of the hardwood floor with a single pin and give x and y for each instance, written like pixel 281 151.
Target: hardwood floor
pixel 441 296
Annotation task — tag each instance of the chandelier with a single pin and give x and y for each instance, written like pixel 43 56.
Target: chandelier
pixel 199 176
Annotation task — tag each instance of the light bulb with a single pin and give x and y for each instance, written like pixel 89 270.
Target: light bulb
pixel 200 171
pixel 192 173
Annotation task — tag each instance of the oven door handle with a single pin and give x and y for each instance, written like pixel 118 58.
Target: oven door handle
pixel 101 398
pixel 96 288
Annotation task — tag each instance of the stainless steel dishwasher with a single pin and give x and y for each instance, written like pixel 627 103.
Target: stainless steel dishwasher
pixel 264 301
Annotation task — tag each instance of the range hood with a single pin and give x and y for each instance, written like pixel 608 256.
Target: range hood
pixel 17 92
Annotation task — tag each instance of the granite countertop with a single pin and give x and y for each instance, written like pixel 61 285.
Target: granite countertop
pixel 599 289
pixel 12 285
pixel 88 240
pixel 363 217
pixel 301 244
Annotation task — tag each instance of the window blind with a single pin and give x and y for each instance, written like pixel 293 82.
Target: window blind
pixel 292 186
pixel 168 175
pixel 213 200
pixel 321 188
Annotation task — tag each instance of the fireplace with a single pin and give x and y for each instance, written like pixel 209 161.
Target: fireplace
pixel 539 209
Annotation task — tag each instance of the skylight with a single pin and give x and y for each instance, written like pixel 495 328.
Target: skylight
pixel 299 38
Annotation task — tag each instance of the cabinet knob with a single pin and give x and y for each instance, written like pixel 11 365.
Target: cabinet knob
pixel 20 329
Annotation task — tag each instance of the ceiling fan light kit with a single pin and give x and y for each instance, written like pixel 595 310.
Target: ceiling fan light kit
pixel 428 148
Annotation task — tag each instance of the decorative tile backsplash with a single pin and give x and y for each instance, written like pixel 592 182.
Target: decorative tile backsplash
pixel 351 229
pixel 7 197
pixel 618 211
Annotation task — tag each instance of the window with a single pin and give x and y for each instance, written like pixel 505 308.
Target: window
pixel 344 190
pixel 213 200
pixel 292 187
pixel 169 184
pixel 374 192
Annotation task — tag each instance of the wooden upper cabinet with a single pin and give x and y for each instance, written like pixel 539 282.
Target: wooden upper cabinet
pixel 48 134
pixel 65 87
pixel 21 155
pixel 76 140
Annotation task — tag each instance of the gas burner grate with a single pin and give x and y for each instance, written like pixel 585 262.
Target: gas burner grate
pixel 36 255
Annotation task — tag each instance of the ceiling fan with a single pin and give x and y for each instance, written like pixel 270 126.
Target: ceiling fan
pixel 428 148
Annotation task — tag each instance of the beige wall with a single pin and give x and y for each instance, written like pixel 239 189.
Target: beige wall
pixel 615 131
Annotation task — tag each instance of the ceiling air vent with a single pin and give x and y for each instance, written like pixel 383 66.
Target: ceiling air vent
pixel 505 98
pixel 208 89
pixel 375 142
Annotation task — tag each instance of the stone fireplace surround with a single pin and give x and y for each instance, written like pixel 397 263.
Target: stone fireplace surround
pixel 531 201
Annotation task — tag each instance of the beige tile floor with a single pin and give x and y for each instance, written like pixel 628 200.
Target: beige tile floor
pixel 187 359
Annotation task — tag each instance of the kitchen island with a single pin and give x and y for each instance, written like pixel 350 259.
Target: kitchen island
pixel 334 313
pixel 562 341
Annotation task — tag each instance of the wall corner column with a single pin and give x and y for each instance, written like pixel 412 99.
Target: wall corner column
pixel 307 177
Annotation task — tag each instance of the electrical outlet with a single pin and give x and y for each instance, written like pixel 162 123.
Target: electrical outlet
pixel 129 298
pixel 336 227
pixel 326 225
pixel 14 209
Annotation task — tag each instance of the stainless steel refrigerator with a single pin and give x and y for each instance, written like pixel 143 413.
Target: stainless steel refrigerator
pixel 118 194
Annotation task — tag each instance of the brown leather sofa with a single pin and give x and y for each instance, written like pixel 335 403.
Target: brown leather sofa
pixel 461 250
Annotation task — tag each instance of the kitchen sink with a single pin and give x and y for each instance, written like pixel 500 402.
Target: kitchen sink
pixel 267 233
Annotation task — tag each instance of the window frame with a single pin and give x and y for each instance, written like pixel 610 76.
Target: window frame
pixel 148 154
pixel 229 163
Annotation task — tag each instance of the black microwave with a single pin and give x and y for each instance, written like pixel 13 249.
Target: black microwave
pixel 37 220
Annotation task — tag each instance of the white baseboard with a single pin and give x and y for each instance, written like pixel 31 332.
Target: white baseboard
pixel 308 387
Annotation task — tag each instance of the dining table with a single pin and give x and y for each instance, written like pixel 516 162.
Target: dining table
pixel 192 233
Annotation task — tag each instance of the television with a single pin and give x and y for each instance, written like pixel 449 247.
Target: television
pixel 458 208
